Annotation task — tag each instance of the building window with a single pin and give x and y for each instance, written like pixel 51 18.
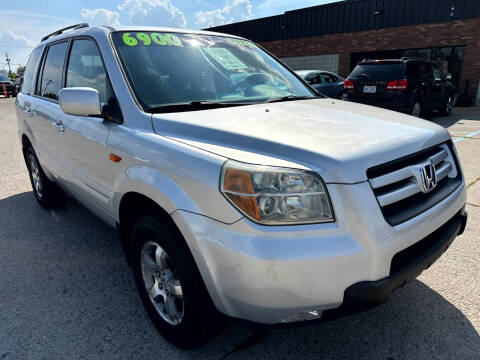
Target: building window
pixel 316 62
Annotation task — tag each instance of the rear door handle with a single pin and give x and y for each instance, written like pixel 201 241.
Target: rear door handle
pixel 59 126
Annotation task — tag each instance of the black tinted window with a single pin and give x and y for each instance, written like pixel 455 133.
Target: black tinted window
pixel 378 72
pixel 85 67
pixel 413 69
pixel 425 70
pixel 28 77
pixel 327 78
pixel 51 82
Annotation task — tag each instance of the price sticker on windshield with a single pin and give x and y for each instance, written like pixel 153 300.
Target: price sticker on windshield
pixel 147 39
pixel 242 42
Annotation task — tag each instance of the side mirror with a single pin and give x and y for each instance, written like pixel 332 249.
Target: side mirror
pixel 448 77
pixel 80 101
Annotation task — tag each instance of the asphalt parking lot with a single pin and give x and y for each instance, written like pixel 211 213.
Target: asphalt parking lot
pixel 66 291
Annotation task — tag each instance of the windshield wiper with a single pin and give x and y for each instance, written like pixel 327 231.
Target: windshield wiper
pixel 192 106
pixel 292 98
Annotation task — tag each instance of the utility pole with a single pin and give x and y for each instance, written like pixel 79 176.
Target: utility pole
pixel 7 59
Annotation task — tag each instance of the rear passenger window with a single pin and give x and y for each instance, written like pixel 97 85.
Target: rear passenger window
pixel 51 81
pixel 328 79
pixel 426 70
pixel 413 69
pixel 27 87
pixel 86 69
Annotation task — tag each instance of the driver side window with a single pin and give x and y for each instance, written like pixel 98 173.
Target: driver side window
pixel 86 69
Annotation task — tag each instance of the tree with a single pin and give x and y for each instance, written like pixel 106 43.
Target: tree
pixel 11 75
pixel 21 70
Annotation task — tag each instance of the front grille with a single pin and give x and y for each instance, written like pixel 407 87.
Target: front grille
pixel 399 188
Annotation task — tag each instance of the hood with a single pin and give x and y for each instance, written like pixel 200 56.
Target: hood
pixel 340 140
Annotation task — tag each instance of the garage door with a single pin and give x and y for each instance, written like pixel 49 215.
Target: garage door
pixel 316 62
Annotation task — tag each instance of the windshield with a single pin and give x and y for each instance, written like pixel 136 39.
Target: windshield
pixel 378 71
pixel 4 78
pixel 166 68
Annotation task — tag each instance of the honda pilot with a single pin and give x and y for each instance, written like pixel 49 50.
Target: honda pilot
pixel 238 192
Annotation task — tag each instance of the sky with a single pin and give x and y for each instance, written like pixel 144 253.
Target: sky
pixel 24 22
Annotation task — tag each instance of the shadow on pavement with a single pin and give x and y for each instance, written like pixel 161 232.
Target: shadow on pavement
pixel 457 115
pixel 67 292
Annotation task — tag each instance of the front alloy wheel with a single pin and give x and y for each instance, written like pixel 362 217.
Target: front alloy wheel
pixel 161 282
pixel 170 285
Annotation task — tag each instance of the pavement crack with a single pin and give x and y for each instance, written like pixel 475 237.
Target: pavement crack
pixel 474 205
pixel 259 335
pixel 473 182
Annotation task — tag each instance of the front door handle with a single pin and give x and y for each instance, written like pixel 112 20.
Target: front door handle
pixel 29 112
pixel 59 126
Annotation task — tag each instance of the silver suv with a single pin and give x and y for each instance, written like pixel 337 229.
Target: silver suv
pixel 237 191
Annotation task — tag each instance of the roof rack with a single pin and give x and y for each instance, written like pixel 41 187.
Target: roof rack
pixel 405 58
pixel 72 27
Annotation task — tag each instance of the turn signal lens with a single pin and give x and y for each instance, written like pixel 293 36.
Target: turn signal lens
pixel 275 196
pixel 239 187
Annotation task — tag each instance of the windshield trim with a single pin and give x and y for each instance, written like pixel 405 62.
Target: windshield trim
pixel 145 109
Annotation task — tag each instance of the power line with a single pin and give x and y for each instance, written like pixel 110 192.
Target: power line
pixel 19 47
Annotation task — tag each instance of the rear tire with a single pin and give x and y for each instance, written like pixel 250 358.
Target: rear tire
pixel 417 108
pixel 47 193
pixel 448 106
pixel 170 285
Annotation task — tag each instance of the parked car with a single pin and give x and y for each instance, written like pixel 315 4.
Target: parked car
pixel 408 85
pixel 6 86
pixel 253 199
pixel 325 82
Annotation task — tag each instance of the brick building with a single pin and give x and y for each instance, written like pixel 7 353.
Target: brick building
pixel 336 36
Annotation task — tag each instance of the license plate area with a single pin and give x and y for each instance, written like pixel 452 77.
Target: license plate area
pixel 367 89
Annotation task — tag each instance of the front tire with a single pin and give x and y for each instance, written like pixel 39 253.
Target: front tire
pixel 170 285
pixel 47 193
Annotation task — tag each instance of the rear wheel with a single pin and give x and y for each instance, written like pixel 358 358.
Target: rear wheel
pixel 416 108
pixel 448 106
pixel 47 194
pixel 170 286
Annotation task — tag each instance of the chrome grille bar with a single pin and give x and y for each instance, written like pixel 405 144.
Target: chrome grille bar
pixel 398 188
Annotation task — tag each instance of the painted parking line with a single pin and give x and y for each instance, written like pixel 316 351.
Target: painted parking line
pixel 466 136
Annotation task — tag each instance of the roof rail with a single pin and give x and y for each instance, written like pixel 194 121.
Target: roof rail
pixel 72 27
pixel 405 58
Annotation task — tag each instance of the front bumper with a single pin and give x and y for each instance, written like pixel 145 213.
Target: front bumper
pixel 271 274
pixel 410 263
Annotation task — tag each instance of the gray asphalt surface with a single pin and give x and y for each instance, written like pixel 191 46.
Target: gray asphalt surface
pixel 66 291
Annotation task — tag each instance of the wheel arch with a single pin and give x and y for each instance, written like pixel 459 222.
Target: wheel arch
pixel 417 94
pixel 132 206
pixel 25 144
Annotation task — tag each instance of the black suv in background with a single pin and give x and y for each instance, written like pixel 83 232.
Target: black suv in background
pixel 6 86
pixel 407 85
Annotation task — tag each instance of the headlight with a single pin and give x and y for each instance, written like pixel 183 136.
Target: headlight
pixel 276 196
